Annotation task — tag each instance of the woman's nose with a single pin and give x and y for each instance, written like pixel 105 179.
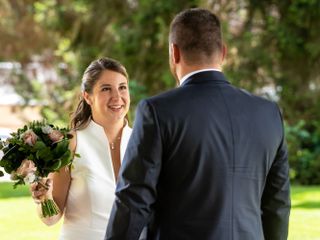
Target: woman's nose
pixel 115 93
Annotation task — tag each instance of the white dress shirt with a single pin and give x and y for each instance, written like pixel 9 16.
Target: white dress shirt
pixel 194 72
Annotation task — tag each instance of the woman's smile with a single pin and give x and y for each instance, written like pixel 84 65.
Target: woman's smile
pixel 116 108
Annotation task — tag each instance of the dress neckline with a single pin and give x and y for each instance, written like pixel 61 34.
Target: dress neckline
pixel 98 127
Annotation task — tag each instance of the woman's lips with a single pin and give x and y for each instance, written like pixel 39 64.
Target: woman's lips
pixel 115 108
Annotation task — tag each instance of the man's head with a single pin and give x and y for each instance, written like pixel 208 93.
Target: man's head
pixel 196 35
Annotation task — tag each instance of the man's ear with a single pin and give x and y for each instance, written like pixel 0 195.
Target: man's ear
pixel 175 53
pixel 224 52
pixel 86 97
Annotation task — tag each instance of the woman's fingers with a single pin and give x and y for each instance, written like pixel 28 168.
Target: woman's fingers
pixel 38 196
pixel 40 190
pixel 39 193
pixel 49 182
pixel 33 186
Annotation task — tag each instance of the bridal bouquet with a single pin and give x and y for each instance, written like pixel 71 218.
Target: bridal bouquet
pixel 33 152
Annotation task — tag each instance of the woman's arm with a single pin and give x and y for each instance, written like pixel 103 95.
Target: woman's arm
pixel 59 184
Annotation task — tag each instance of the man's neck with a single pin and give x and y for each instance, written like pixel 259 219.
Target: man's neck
pixel 185 72
pixel 186 69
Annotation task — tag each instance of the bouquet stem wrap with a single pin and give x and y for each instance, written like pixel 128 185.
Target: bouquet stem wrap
pixel 49 208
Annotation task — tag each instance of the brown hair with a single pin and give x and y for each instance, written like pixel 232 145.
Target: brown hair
pixel 197 33
pixel 82 115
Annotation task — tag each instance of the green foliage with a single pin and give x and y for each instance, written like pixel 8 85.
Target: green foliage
pixel 304 152
pixel 10 162
pixel 270 43
pixel 21 35
pixel 276 44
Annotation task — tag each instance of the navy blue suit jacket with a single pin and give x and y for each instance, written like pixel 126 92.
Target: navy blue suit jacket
pixel 205 161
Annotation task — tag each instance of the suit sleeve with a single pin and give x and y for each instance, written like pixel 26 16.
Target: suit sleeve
pixel 276 196
pixel 136 190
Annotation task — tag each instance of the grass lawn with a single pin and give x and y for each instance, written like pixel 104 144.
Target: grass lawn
pixel 19 220
pixel 305 213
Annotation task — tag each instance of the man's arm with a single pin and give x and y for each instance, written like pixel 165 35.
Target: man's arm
pixel 136 189
pixel 276 196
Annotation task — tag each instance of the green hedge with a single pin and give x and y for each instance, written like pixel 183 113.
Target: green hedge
pixel 304 152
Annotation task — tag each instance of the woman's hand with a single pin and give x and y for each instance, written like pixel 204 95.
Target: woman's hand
pixel 41 190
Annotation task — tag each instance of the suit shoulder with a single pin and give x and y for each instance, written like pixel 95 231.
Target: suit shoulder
pixel 165 96
pixel 253 102
pixel 257 98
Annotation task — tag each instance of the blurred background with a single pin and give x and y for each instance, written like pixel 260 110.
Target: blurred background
pixel 273 51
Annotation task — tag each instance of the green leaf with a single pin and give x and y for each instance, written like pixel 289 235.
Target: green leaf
pixel 19 182
pixel 61 148
pixel 31 157
pixel 66 158
pixel 39 145
pixel 45 154
pixel 56 166
pixel 2 163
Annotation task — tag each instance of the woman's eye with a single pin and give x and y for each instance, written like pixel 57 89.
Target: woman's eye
pixel 105 89
pixel 123 87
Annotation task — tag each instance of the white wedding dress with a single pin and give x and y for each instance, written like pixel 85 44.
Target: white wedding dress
pixel 92 188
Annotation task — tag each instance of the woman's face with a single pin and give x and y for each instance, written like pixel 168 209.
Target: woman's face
pixel 110 99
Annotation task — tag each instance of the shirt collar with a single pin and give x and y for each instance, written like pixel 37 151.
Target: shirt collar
pixel 185 77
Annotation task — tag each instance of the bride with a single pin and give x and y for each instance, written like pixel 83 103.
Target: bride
pixel 85 193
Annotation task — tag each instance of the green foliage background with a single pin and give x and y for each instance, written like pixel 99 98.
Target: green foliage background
pixel 270 43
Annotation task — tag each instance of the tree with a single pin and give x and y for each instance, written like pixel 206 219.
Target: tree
pixel 276 43
pixel 86 30
pixel 271 44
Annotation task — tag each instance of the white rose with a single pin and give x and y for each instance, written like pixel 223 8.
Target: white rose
pixel 30 178
pixel 46 129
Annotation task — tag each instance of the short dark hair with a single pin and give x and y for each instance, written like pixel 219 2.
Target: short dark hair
pixel 197 33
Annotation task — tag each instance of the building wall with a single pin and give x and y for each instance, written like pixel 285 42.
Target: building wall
pixel 15 116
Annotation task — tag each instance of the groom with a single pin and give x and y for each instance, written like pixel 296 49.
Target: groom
pixel 206 160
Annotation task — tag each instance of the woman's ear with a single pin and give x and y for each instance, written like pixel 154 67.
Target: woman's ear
pixel 87 98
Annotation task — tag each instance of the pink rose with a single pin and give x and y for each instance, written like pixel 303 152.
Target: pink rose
pixel 26 167
pixel 55 136
pixel 29 137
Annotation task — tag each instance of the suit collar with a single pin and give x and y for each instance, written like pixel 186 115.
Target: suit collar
pixel 211 77
pixel 197 71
